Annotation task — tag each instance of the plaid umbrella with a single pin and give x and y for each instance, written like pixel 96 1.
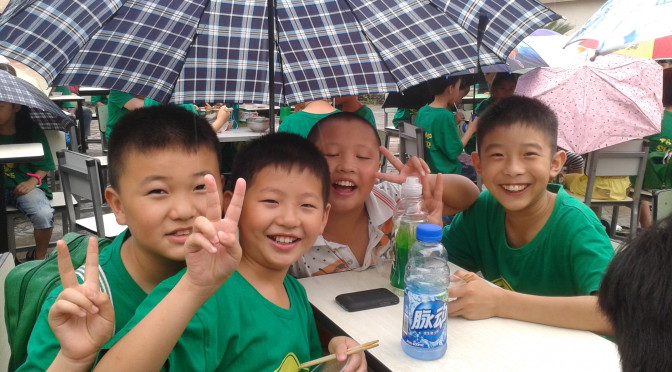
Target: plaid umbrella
pixel 218 50
pixel 42 110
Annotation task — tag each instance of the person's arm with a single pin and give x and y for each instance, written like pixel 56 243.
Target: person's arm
pixel 223 116
pixel 212 254
pixel 479 300
pixel 82 318
pixel 458 192
pixel 135 103
pixel 471 130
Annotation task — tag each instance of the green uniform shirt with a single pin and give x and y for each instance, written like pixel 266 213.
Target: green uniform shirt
pixel 15 173
pixel 66 92
pixel 442 141
pixel 367 114
pixel 302 122
pixel 663 140
pixel 567 257
pixel 115 108
pixel 126 296
pixel 484 104
pixel 238 329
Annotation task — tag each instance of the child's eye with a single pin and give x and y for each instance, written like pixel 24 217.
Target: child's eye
pixel 329 155
pixel 308 205
pixel 200 187
pixel 529 154
pixel 269 201
pixel 157 191
pixel 496 155
pixel 363 157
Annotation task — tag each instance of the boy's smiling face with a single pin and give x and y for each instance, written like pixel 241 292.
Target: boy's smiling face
pixel 282 216
pixel 160 194
pixel 351 150
pixel 515 163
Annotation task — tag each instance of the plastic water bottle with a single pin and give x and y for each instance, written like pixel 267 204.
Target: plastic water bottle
pixel 424 333
pixel 409 213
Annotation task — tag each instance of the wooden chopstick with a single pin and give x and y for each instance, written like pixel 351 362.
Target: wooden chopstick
pixel 353 350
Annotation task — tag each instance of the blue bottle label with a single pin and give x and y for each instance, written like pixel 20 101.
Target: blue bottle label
pixel 424 324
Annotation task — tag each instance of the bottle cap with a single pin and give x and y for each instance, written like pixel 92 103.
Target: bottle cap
pixel 411 187
pixel 428 232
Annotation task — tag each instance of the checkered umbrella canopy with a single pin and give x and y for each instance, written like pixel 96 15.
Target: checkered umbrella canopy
pixel 217 50
pixel 42 110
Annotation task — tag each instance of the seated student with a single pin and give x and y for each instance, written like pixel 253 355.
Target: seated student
pixel 157 160
pixel 360 222
pixel 23 186
pixel 351 104
pixel 544 249
pixel 443 144
pixel 260 318
pixel 303 120
pixel 636 296
pixel 503 86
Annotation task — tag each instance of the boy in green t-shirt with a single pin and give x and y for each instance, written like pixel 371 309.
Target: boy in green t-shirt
pixel 443 144
pixel 545 250
pixel 157 162
pixel 257 318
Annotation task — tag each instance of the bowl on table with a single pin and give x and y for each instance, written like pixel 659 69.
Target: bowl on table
pixel 258 124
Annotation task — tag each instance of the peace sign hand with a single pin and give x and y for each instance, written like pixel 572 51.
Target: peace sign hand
pixel 82 318
pixel 212 250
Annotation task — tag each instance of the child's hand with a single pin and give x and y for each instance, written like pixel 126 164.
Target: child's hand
pixel 25 187
pixel 354 362
pixel 212 251
pixel 433 198
pixel 82 318
pixel 476 299
pixel 413 167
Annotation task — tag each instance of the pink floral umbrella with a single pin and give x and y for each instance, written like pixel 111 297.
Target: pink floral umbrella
pixel 611 100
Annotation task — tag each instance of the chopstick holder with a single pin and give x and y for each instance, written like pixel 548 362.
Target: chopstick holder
pixel 352 350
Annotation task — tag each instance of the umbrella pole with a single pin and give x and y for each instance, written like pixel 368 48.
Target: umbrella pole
pixel 271 65
pixel 482 24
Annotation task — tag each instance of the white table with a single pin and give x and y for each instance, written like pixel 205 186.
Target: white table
pixel 16 153
pixel 241 134
pixel 485 345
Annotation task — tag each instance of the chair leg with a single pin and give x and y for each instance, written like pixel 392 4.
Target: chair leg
pixel 614 220
pixel 11 239
pixel 634 219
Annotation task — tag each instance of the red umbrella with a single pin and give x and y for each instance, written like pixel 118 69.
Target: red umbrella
pixel 660 48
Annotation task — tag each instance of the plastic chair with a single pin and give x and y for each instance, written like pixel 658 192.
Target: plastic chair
pixel 81 177
pixel 411 141
pixel 662 204
pixel 101 113
pixel 624 159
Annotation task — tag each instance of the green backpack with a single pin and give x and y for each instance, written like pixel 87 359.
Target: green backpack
pixel 26 288
pixel 658 171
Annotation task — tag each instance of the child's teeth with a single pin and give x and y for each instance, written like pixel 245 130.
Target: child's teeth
pixel 186 232
pixel 345 183
pixel 514 188
pixel 284 239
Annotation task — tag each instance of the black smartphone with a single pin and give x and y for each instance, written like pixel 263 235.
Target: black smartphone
pixel 368 299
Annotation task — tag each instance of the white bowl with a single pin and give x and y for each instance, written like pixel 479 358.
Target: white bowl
pixel 258 124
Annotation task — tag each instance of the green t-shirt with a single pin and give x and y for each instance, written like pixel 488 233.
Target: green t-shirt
pixel 663 140
pixel 567 257
pixel 15 173
pixel 66 92
pixel 115 108
pixel 484 104
pixel 442 141
pixel 367 114
pixel 96 99
pixel 238 329
pixel 126 296
pixel 301 122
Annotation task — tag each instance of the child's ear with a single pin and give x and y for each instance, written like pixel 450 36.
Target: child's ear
pixel 477 161
pixel 114 201
pixel 226 200
pixel 557 161
pixel 325 217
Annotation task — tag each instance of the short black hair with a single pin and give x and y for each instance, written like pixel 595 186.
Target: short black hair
pixel 281 150
pixel 503 77
pixel 316 130
pixel 667 87
pixel 163 127
pixel 9 68
pixel 636 297
pixel 519 110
